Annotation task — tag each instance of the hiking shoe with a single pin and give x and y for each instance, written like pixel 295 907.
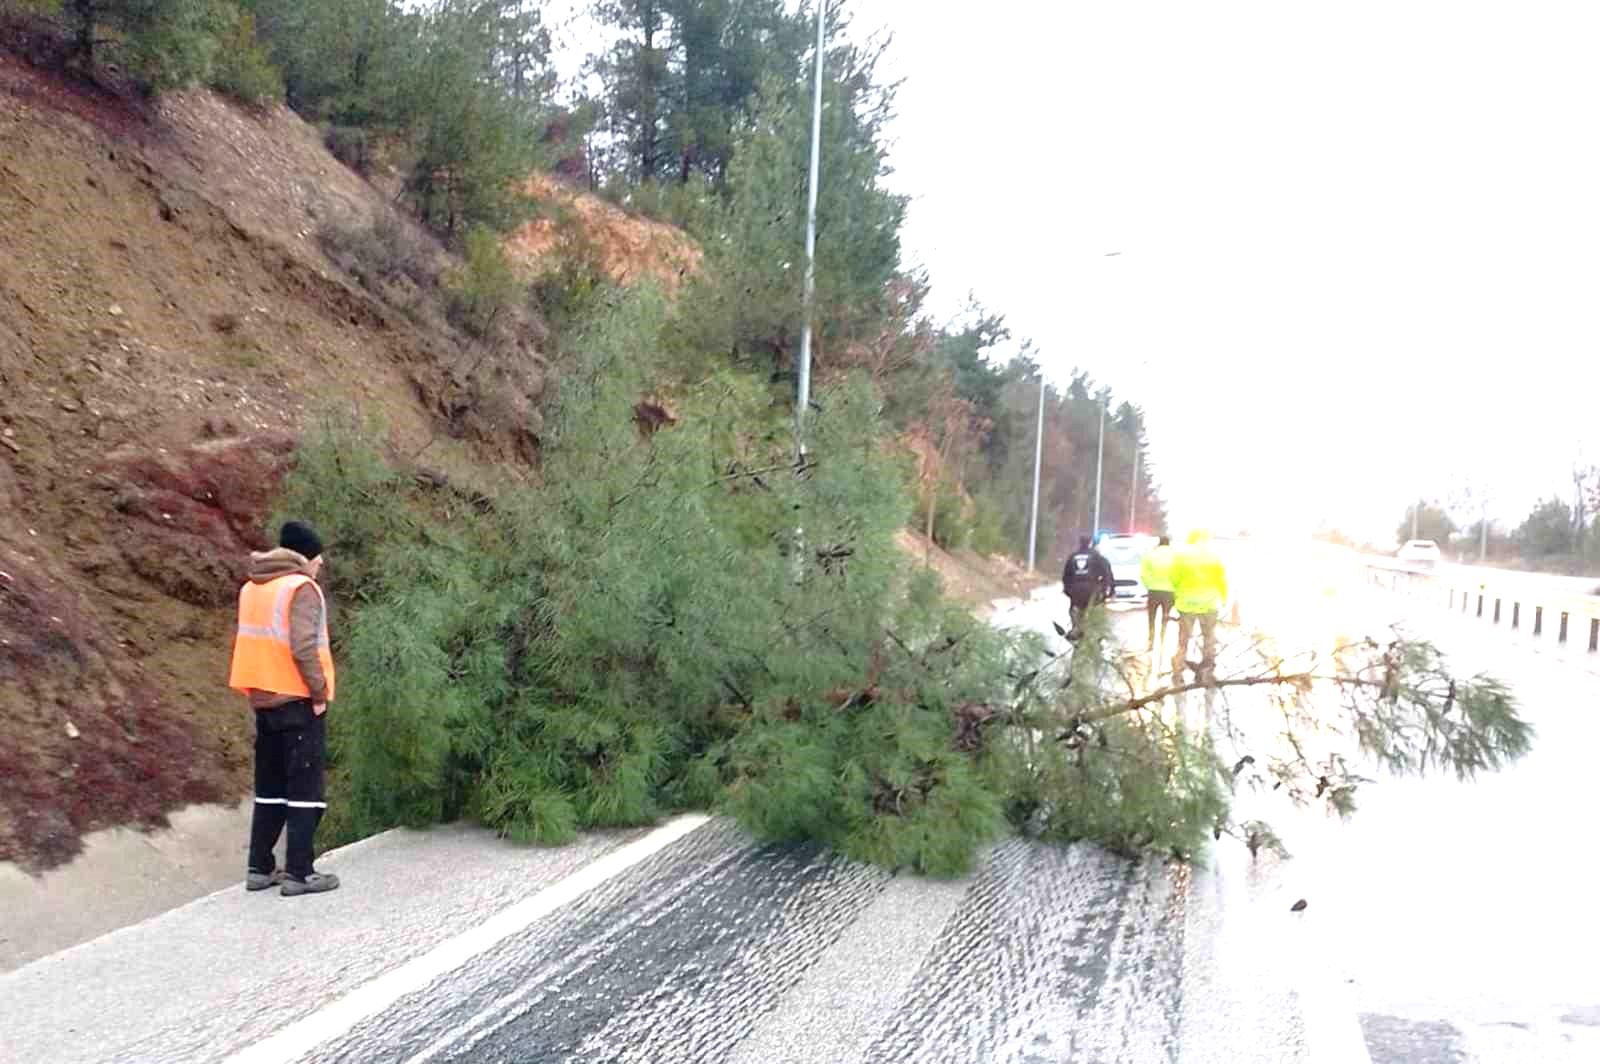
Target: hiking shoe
pixel 315 883
pixel 263 880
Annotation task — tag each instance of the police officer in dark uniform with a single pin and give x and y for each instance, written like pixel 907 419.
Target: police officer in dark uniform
pixel 1086 581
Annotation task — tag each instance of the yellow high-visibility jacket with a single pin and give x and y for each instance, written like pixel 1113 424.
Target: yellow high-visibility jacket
pixel 1155 569
pixel 1199 582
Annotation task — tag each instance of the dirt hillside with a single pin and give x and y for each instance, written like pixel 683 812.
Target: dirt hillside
pixel 629 249
pixel 968 576
pixel 169 322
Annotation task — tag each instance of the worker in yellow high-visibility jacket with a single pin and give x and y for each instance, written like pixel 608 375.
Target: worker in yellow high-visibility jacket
pixel 1155 573
pixel 1199 588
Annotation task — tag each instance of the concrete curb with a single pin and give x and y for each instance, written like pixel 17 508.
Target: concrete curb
pixel 125 878
pixel 123 875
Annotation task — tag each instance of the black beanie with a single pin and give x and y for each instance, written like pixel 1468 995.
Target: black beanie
pixel 299 538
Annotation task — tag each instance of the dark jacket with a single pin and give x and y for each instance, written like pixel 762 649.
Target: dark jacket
pixel 1087 570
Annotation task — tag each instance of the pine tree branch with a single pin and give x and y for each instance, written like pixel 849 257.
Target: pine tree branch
pixel 806 468
pixel 1294 679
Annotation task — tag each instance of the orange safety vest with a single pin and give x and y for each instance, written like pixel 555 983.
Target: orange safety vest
pixel 263 657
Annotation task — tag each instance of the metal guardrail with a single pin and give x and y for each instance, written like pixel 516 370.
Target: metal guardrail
pixel 1567 618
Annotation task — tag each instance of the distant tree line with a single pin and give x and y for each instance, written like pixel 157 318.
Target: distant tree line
pixel 1557 535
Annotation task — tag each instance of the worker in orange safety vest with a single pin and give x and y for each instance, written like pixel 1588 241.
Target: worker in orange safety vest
pixel 283 664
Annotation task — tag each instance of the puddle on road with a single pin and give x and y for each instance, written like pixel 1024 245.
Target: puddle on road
pixel 1392 1040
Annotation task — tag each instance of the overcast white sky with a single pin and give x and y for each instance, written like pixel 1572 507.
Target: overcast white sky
pixel 1360 241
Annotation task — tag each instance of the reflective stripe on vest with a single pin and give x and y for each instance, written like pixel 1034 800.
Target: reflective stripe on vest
pixel 263 654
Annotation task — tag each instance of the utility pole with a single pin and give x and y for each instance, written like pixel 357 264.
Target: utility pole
pixel 1483 534
pixel 1038 458
pixel 1133 492
pixel 802 404
pixel 1099 469
pixel 1579 519
pixel 803 399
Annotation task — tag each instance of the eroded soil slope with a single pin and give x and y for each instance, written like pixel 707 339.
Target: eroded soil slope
pixel 168 326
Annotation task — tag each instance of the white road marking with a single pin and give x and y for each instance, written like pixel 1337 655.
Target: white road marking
pixel 368 1000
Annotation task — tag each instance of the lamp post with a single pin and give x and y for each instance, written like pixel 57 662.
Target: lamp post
pixel 803 399
pixel 1099 468
pixel 1133 493
pixel 802 403
pixel 1038 457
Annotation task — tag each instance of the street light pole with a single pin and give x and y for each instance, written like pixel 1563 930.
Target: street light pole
pixel 1133 493
pixel 803 399
pixel 1038 458
pixel 1099 469
pixel 802 403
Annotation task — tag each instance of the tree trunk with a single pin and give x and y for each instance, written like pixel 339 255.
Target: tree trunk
pixel 86 13
pixel 946 451
pixel 649 96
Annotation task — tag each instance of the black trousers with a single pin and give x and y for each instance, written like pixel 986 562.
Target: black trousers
pixel 290 743
pixel 1080 599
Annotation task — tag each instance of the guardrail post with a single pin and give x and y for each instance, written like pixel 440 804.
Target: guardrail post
pixel 1594 634
pixel 1516 616
pixel 1480 604
pixel 1465 596
pixel 1562 636
pixel 1538 621
pixel 1496 611
pixel 1452 598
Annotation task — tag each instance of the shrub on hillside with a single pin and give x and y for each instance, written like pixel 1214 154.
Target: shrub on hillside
pixel 382 250
pixel 351 145
pixel 484 287
pixel 987 534
pixel 692 206
pixel 242 68
pixel 573 279
pixel 158 44
pixel 952 528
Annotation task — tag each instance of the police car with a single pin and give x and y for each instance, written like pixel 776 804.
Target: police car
pixel 1125 550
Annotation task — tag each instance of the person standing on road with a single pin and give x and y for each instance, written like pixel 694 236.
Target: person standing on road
pixel 1155 572
pixel 1199 587
pixel 1086 580
pixel 283 664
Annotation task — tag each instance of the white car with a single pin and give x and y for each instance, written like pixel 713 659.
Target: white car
pixel 1423 553
pixel 1125 551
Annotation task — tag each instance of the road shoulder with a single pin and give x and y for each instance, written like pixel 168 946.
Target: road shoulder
pixel 222 961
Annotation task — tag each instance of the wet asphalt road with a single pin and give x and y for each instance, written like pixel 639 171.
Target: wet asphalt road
pixel 1466 909
pixel 1045 953
pixel 1459 914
